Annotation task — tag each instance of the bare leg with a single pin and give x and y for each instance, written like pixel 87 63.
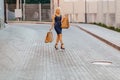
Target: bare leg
pixel 57 41
pixel 61 41
pixel 60 37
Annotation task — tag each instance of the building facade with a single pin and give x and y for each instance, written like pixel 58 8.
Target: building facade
pixel 99 11
pixel 75 9
pixel 32 10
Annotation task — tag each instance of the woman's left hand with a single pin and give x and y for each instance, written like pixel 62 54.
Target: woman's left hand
pixel 50 30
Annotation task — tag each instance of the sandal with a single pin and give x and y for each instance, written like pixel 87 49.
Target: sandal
pixel 56 46
pixel 62 46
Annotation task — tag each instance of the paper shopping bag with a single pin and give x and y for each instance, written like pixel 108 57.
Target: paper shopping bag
pixel 49 37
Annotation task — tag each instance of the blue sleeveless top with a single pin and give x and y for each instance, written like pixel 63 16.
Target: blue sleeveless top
pixel 58 28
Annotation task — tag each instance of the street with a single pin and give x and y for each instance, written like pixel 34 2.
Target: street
pixel 25 56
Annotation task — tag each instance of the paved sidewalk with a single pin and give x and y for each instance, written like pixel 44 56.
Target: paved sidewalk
pixel 25 56
pixel 109 35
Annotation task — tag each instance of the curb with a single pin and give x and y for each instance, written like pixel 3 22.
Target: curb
pixel 30 22
pixel 100 38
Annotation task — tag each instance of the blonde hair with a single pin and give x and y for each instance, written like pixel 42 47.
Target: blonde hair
pixel 58 8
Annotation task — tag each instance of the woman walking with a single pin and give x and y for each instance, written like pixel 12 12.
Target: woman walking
pixel 56 23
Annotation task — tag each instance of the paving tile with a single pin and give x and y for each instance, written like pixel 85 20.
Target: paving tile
pixel 109 35
pixel 25 56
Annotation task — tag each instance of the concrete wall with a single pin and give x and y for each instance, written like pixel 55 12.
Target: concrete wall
pixel 117 20
pixel 1 13
pixel 75 10
pixel 103 11
pixel 106 12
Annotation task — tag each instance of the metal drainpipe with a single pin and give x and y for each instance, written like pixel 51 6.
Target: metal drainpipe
pixel 58 3
pixel 85 11
pixel 24 9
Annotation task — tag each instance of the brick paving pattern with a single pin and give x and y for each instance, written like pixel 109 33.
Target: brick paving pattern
pixel 25 56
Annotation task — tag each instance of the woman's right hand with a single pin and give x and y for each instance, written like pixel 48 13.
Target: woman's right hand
pixel 50 29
